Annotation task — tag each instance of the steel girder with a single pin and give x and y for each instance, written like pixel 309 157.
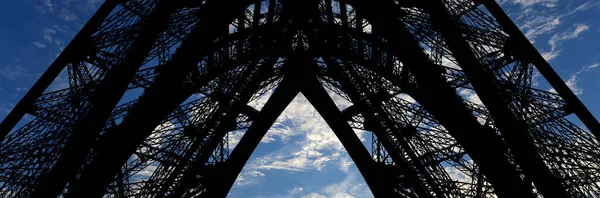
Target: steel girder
pixel 393 60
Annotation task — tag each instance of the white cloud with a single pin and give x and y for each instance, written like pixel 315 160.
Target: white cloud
pixel 582 7
pixel 470 95
pixel 249 178
pixel 310 145
pixel 314 195
pixel 234 138
pixel 551 54
pixel 540 25
pixel 48 34
pixel 572 84
pixel 13 73
pixel 457 175
pixel 296 190
pixel 528 3
pixel 48 5
pixel 352 186
pixel 556 40
pixel 572 81
pixel 345 163
pixel 39 45
pixel 534 20
pixel 146 172
pixel 67 15
pixel 578 29
pixel 590 67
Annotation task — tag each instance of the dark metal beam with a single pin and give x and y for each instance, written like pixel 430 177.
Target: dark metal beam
pixel 222 179
pixel 273 108
pixel 240 99
pixel 377 180
pixel 514 130
pixel 76 49
pixel 377 108
pixel 86 129
pixel 304 43
pixel 528 52
pixel 412 178
pixel 120 142
pixel 450 112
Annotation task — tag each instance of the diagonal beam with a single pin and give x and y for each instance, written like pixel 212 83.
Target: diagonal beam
pixel 220 184
pixel 376 179
pixel 382 118
pixel 528 50
pixel 451 112
pixel 513 129
pixel 317 95
pixel 240 100
pixel 110 92
pixel 74 48
pixel 120 142
pixel 412 177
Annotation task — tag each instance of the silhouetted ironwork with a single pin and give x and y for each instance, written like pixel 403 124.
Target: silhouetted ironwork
pixel 406 67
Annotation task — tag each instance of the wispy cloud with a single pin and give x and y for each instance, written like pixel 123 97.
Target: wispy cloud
pixel 470 95
pixel 540 25
pixel 14 73
pixel 528 3
pixel 534 20
pixel 557 39
pixel 67 10
pixel 39 45
pixel 574 78
pixel 458 175
pixel 317 145
pixel 352 186
pixel 247 178
pixel 310 145
pixel 48 5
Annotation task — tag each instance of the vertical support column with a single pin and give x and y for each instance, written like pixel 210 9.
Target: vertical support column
pixel 76 49
pixel 529 52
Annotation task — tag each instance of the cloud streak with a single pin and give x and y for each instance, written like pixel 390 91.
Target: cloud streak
pixel 535 21
pixel 14 73
pixel 573 79
pixel 310 145
pixel 557 39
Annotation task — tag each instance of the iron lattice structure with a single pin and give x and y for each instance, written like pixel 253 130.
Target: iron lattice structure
pixel 198 63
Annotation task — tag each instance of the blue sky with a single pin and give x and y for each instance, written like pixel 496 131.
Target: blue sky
pixel 300 156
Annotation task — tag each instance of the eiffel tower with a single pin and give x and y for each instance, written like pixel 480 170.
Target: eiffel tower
pixel 403 65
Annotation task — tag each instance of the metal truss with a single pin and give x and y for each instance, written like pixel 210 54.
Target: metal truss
pixel 195 65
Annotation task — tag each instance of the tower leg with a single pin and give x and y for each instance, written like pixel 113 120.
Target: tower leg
pixel 72 51
pixel 513 129
pixel 528 51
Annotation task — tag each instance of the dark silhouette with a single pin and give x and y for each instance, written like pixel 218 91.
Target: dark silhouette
pixel 199 63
